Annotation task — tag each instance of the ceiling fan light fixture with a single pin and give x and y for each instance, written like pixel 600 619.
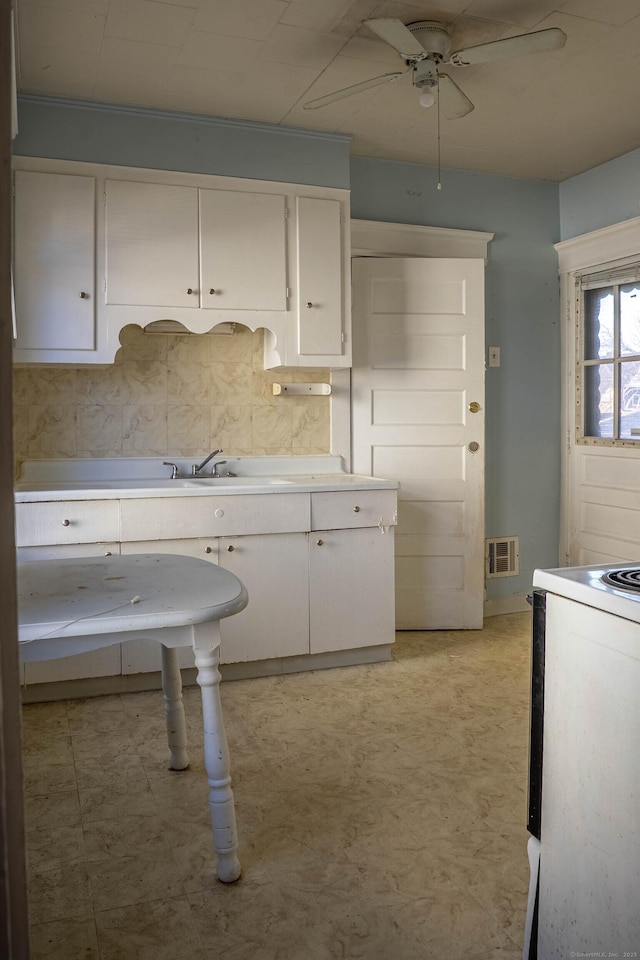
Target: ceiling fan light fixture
pixel 426 98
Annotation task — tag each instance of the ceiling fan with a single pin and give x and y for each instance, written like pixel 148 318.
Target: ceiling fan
pixel 425 46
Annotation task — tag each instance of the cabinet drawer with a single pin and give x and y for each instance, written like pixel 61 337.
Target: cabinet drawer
pixel 57 551
pixel 62 521
pixel 340 510
pixel 213 516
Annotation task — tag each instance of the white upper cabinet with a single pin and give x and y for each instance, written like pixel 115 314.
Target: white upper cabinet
pixel 174 246
pixel 151 244
pixel 99 247
pixel 319 289
pixel 243 250
pixel 54 267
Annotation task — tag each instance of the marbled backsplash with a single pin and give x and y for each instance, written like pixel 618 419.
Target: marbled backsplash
pixel 168 395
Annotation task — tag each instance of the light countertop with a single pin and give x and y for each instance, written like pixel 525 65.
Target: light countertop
pixel 116 479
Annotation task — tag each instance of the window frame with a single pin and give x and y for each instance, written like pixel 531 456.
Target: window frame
pixel 612 275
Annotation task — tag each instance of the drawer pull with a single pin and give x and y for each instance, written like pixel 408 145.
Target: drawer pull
pixel 356 509
pixel 230 548
pixel 66 523
pixel 320 543
pixel 208 550
pixel 108 553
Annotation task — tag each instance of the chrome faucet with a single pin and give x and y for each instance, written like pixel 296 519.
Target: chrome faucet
pixel 174 468
pixel 197 467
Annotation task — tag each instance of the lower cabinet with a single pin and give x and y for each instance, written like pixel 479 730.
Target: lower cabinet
pixel 328 590
pixel 351 580
pixel 275 623
pixel 144 656
pixel 269 626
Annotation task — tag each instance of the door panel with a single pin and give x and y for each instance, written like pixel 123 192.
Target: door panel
pixel 152 244
pixel 55 296
pixel 418 365
pixel 243 250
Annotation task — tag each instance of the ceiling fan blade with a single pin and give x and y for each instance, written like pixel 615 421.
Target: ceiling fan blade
pixel 350 91
pixel 537 42
pixel 397 36
pixel 453 102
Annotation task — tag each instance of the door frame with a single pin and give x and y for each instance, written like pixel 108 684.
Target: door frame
pixel 374 238
pixel 615 244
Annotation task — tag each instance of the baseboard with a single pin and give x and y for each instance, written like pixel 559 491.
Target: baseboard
pixel 138 682
pixel 496 606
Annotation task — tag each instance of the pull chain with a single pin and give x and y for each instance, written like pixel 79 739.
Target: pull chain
pixel 438 120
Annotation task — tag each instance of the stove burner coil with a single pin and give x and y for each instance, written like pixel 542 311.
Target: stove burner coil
pixel 628 579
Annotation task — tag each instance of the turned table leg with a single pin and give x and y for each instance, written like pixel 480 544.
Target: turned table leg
pixel 206 645
pixel 174 709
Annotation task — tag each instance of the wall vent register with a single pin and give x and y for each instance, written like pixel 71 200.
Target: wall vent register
pixel 502 557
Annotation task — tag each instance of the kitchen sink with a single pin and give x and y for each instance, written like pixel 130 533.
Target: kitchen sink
pixel 236 481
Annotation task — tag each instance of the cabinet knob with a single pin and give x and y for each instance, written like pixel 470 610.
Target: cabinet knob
pixel 207 550
pixel 190 290
pixel 230 548
pixel 66 523
pixel 108 553
pixel 309 304
pixel 356 509
pixel 320 543
pixel 212 291
pixel 83 295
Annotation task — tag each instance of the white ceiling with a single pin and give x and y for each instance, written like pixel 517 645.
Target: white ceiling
pixel 548 116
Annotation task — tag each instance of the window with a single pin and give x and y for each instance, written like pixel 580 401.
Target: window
pixel 608 374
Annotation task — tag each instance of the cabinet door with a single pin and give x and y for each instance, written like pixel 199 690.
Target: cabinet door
pixel 351 592
pixel 95 663
pixel 54 243
pixel 151 244
pixel 276 621
pixel 319 288
pixel 144 656
pixel 243 251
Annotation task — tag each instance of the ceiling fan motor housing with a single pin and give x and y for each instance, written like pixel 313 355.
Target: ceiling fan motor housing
pixel 433 36
pixel 425 74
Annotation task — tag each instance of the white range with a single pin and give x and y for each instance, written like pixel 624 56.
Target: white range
pixel 584 788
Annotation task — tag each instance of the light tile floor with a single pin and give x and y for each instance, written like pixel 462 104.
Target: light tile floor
pixel 381 812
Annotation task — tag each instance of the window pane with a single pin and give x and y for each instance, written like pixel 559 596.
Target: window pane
pixel 630 399
pixel 598 400
pixel 630 319
pixel 598 323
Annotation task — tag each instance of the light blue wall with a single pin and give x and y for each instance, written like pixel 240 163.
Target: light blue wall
pixel 522 300
pixel 522 318
pixel 75 130
pixel 607 194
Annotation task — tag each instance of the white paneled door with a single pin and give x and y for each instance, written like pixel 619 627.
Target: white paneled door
pixel 418 417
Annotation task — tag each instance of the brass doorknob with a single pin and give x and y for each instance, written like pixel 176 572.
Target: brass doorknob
pixel 474 447
pixel 474 407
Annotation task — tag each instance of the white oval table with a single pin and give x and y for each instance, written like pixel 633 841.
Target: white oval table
pixel 71 606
